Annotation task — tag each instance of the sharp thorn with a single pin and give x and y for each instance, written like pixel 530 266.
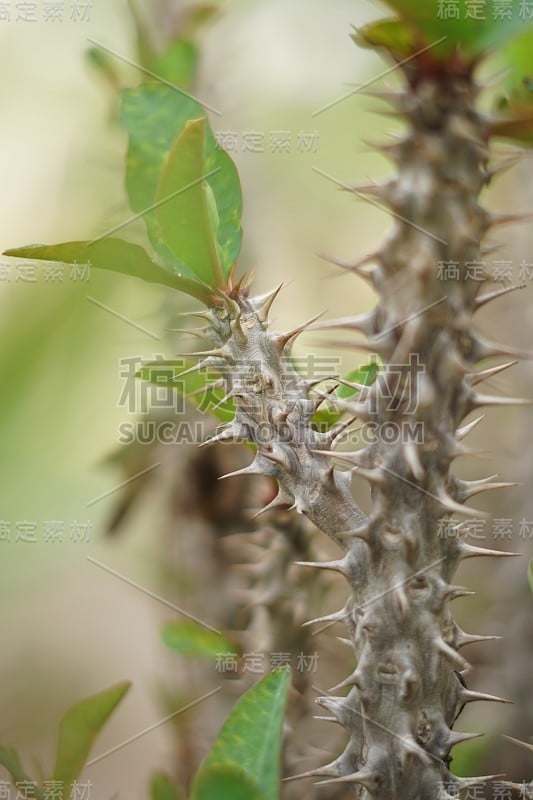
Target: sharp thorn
pixel 465 429
pixel 525 745
pixel 470 696
pixel 479 302
pixel 205 315
pixel 280 500
pixel 191 332
pixel 326 770
pixel 452 655
pixel 264 303
pixel 479 400
pixel 195 368
pixel 364 777
pixel 216 352
pixel 336 566
pixel 411 454
pixel 453 507
pixel 453 592
pixel 509 219
pixel 337 616
pixel 351 680
pixel 466 782
pixel 362 322
pixel 471 551
pixel 347 642
pixel 356 267
pixel 467 489
pixel 226 435
pixel 462 638
pixel 485 374
pixel 456 737
pixel 251 469
pixel 283 339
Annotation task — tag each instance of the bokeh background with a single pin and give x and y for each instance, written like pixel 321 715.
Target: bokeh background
pixel 68 627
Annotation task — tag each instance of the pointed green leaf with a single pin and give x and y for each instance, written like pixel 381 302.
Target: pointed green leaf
pixel 10 760
pixel 190 639
pixel 365 375
pixel 182 205
pixel 114 255
pixel 225 183
pixel 162 787
pixel 473 35
pixel 78 730
pixel 226 782
pixel 250 738
pixel 199 204
pixel 154 116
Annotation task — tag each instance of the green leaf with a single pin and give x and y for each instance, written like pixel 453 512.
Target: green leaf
pixel 200 220
pixel 178 64
pixel 516 57
pixel 78 730
pixel 114 255
pixel 365 375
pixel 250 738
pixel 10 760
pixel 225 782
pixel 155 115
pixel 514 109
pixel 227 193
pixel 190 639
pixel 474 36
pixel 162 787
pixel 195 386
pixel 184 218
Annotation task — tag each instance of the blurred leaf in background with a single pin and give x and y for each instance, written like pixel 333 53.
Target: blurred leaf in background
pixel 246 757
pixel 78 730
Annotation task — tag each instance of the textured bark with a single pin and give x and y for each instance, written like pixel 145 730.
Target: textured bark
pixel 274 410
pixel 406 689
